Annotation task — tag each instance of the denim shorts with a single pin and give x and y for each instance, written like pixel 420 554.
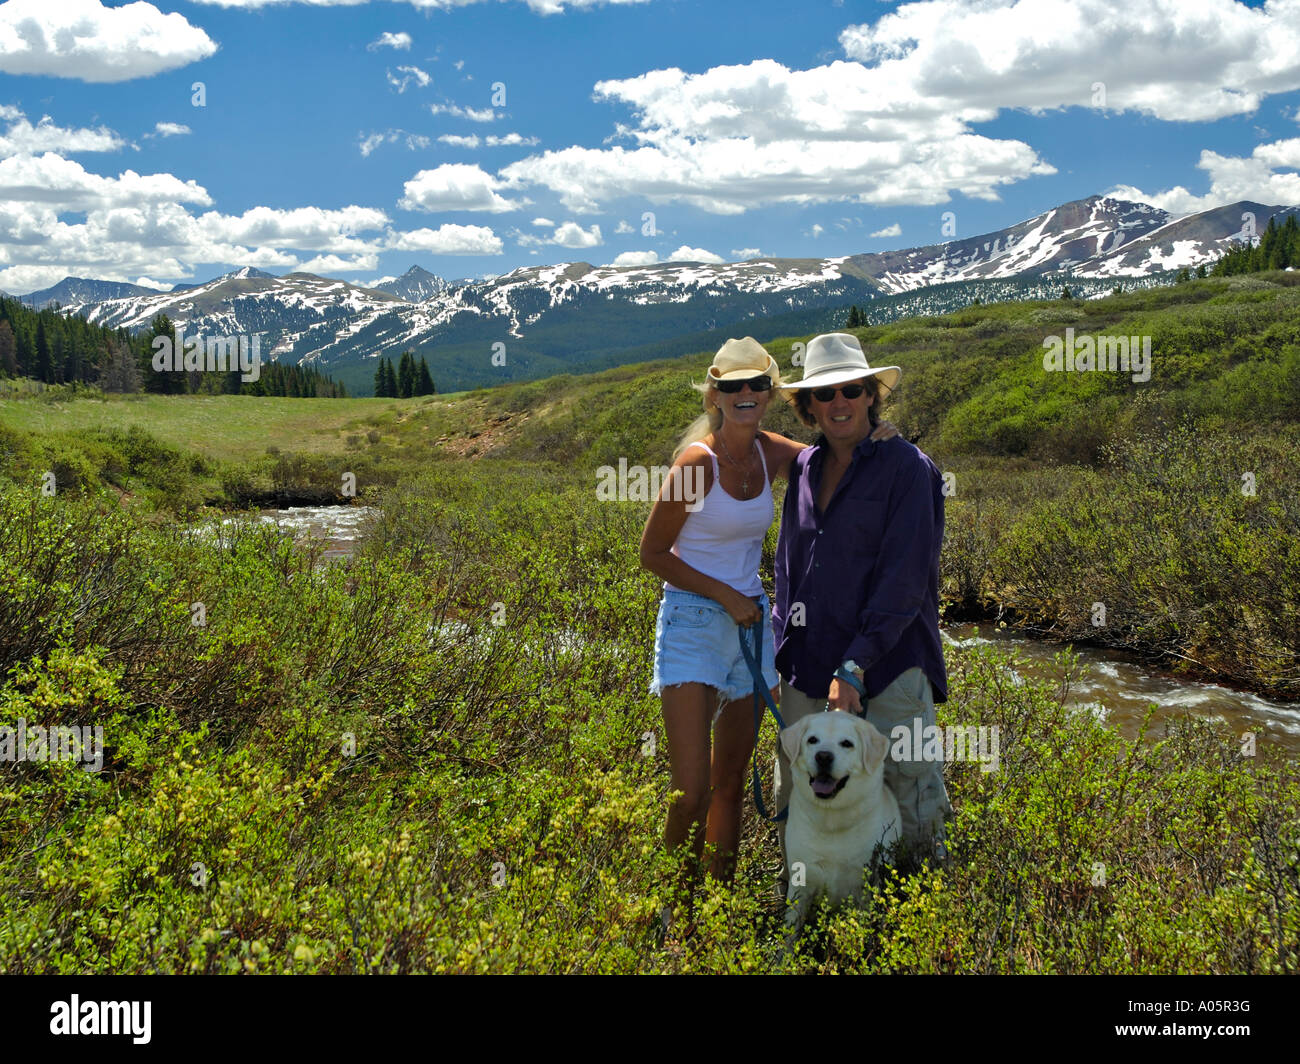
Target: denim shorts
pixel 696 641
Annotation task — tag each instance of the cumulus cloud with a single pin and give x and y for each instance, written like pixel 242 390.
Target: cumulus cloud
pixel 454 187
pixel 544 222
pixel 739 137
pixel 894 123
pixel 1267 175
pixel 690 254
pixel 740 254
pixel 333 264
pixel 52 179
pixel 1178 60
pixel 889 230
pixel 623 227
pixel 636 258
pixel 85 39
pixel 23 137
pixel 398 41
pixel 450 240
pixel 169 129
pixel 572 235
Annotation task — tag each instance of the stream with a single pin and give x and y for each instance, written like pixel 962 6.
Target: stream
pixel 1118 688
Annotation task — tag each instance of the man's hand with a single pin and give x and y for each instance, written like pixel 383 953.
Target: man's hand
pixel 843 697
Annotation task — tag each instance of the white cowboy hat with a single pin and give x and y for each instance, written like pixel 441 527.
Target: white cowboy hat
pixel 740 360
pixel 834 358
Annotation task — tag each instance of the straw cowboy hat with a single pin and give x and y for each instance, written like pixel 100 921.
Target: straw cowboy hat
pixel 834 358
pixel 739 360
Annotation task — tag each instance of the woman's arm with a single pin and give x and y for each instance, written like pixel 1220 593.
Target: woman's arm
pixel 781 451
pixel 665 524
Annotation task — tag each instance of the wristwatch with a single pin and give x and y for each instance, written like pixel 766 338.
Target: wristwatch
pixel 848 673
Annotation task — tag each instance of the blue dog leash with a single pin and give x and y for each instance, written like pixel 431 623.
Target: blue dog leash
pixel 753 658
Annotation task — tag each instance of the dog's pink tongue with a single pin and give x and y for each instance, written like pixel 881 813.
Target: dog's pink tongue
pixel 823 788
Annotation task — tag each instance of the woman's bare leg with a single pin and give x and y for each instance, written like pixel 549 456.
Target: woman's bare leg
pixel 688 709
pixel 733 745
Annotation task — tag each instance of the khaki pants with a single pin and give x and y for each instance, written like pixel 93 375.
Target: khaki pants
pixel 918 785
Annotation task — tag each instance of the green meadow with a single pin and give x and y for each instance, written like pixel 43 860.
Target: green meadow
pixel 442 754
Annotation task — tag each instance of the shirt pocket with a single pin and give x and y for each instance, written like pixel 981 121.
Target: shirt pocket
pixel 865 529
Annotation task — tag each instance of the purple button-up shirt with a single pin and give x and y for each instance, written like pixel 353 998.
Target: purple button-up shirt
pixel 864 576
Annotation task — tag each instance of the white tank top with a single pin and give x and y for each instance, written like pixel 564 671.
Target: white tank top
pixel 724 537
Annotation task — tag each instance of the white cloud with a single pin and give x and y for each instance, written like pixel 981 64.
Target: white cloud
pixel 409 74
pixel 572 235
pixel 889 230
pixel 636 258
pixel 399 41
pixel 377 281
pixel 328 265
pixel 739 254
pixel 53 180
pixel 472 140
pixel 1178 60
pixel 544 222
pixel 454 187
pixel 739 137
pixel 449 240
pixel 372 141
pixel 689 254
pixel 895 125
pixel 149 282
pixel 305 228
pixel 86 40
pixel 24 138
pixel 623 227
pixel 483 114
pixel 1232 178
pixel 817 230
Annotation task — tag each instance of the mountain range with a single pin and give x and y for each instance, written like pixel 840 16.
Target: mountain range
pixel 540 320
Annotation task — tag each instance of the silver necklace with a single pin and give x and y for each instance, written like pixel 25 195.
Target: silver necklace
pixel 744 473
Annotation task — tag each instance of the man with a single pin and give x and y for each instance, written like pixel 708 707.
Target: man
pixel 856 617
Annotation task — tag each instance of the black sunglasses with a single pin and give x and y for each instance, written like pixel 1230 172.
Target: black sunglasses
pixel 756 384
pixel 851 391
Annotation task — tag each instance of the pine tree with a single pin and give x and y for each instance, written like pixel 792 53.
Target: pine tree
pixel 44 367
pixel 8 350
pixel 425 384
pixel 1066 293
pixel 406 376
pixel 856 318
pixel 390 379
pixel 379 380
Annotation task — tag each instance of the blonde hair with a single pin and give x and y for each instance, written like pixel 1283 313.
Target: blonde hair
pixel 709 421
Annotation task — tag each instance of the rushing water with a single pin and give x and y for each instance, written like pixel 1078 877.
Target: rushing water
pixel 1118 689
pixel 1121 690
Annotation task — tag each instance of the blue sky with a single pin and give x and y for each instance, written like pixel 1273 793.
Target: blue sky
pixel 356 139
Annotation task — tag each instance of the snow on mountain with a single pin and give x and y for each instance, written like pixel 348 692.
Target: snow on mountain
pixel 574 314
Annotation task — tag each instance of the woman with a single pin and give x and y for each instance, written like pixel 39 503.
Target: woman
pixel 707 550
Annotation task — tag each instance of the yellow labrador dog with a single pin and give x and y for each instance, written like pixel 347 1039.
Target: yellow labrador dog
pixel 841 813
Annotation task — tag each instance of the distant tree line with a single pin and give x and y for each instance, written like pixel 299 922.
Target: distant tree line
pixel 62 349
pixel 1277 249
pixel 404 382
